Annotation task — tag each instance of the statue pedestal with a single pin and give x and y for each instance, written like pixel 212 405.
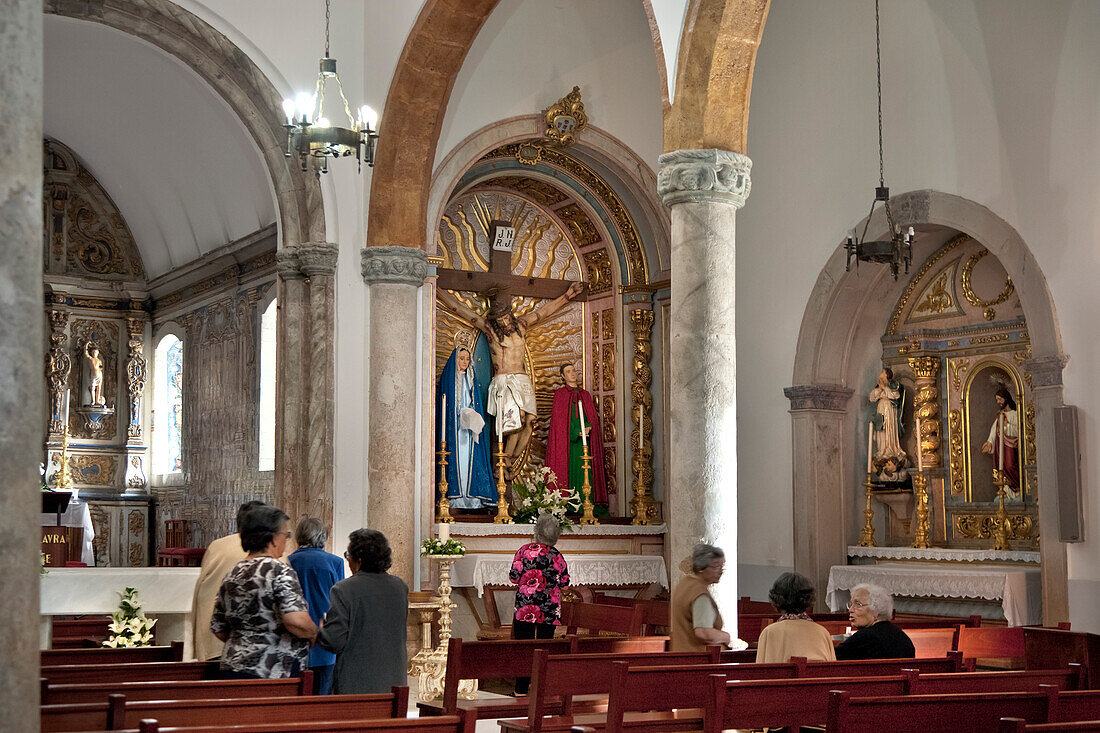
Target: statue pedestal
pixel 94 417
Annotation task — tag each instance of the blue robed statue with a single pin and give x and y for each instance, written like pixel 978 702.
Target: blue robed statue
pixel 470 482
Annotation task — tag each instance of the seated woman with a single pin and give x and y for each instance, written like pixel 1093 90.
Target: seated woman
pixel 794 634
pixel 365 624
pixel 876 636
pixel 260 612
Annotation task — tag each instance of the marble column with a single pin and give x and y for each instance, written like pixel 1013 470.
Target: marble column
pixel 22 351
pixel 704 189
pixel 291 383
pixel 823 489
pixel 394 275
pixel 318 262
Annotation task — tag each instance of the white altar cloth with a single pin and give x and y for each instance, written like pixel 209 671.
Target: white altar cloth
pixel 945 554
pixel 483 529
pixel 479 570
pixel 164 593
pixel 76 514
pixel 1018 589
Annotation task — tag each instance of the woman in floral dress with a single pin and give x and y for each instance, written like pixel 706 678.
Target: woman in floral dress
pixel 540 573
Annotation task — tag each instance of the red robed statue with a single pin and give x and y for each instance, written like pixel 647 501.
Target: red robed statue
pixel 563 444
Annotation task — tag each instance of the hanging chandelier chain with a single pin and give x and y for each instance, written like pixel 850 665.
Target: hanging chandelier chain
pixel 878 74
pixel 327 2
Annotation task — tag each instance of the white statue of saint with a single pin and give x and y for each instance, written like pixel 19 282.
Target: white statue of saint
pixel 888 398
pixel 93 376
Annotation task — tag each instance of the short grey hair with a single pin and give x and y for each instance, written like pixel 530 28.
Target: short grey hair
pixel 879 599
pixel 547 530
pixel 702 555
pixel 310 532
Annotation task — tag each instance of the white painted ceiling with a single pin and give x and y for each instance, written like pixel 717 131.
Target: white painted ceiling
pixel 179 165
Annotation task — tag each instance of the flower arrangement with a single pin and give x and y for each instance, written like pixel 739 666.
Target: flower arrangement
pixel 539 494
pixel 432 546
pixel 129 625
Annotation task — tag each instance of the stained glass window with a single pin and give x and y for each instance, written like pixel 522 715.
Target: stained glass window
pixel 168 410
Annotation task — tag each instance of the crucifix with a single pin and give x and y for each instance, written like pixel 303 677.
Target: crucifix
pixel 511 394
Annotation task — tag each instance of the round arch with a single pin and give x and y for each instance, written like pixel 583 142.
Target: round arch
pixel 845 316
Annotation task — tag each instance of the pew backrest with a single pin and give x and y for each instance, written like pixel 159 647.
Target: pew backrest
pixel 659 689
pixel 1019 725
pixel 935 642
pixel 490 660
pixel 596 617
pixel 962 713
pixel 107 655
pixel 617 644
pixel 953 662
pixel 1076 705
pixel 129 672
pixel 992 642
pixel 178 690
pixel 464 722
pixel 1069 678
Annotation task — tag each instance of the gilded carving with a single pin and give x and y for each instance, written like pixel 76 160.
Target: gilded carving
pixel 101 524
pixel 958 473
pixel 608 420
pixel 1029 433
pixel 565 118
pixel 95 470
pixel 608 381
pixel 598 264
pixel 136 522
pixel 136 555
pixel 645 509
pixel 978 526
pixel 136 367
pixel 950 246
pixel 58 369
pixel 609 470
pixel 537 190
pixel 596 363
pixel 608 325
pixel 991 339
pixel 927 406
pixel 968 288
pixel 582 228
pixel 937 299
pixel 958 369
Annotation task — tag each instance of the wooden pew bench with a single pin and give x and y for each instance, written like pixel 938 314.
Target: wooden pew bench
pixel 107 655
pixel 130 672
pixel 177 690
pixel 463 723
pixel 1018 725
pixel 598 617
pixel 954 713
pixel 118 713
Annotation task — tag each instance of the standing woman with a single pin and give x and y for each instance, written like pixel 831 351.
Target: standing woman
pixel 541 573
pixel 365 625
pixel 260 613
pixel 695 618
pixel 317 571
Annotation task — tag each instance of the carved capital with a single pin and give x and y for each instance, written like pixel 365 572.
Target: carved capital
pixel 925 367
pixel 318 258
pixel 288 265
pixel 1046 371
pixel 819 397
pixel 395 264
pixel 704 175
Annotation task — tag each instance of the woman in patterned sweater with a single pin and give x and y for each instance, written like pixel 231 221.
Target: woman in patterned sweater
pixel 260 612
pixel 540 573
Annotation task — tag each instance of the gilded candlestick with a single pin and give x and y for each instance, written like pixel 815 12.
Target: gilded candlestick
pixel 502 517
pixel 867 536
pixel 922 534
pixel 444 512
pixel 1001 525
pixel 586 489
pixel 64 479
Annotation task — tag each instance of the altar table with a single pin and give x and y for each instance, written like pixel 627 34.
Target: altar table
pixel 1018 589
pixel 164 594
pixel 479 570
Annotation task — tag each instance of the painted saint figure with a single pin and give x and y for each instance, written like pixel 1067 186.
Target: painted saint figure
pixel 511 394
pixel 563 443
pixel 889 398
pixel 1003 442
pixel 93 376
pixel 469 477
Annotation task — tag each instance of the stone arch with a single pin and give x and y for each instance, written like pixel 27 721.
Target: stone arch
pixel 846 314
pixel 228 71
pixel 714 75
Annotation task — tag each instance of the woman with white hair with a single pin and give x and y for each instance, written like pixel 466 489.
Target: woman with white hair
pixel 540 574
pixel 694 613
pixel 876 637
pixel 317 571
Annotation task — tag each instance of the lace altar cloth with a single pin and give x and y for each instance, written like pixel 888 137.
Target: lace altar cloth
pixel 476 529
pixel 944 554
pixel 1018 589
pixel 479 570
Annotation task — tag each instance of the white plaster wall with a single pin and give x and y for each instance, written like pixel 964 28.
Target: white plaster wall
pixel 993 101
pixel 529 54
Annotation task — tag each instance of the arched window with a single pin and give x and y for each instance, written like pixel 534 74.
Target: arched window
pixel 168 407
pixel 268 323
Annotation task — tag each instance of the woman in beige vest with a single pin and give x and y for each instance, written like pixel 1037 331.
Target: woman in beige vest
pixel 695 618
pixel 795 634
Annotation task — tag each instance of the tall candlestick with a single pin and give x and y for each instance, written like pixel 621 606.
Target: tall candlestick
pixel 443 421
pixel 580 414
pixel 870 436
pixel 920 452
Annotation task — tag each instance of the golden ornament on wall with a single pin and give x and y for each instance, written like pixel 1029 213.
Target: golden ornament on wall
pixel 968 287
pixel 608 325
pixel 958 473
pixel 608 370
pixel 598 265
pixel 565 119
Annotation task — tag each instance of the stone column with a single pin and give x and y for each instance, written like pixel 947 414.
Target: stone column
pixel 704 189
pixel 318 262
pixel 22 351
pixel 394 275
pixel 291 383
pixel 1046 390
pixel 822 488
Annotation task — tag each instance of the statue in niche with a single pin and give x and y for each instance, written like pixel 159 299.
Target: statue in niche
pixel 564 445
pixel 1003 443
pixel 470 482
pixel 511 394
pixel 889 399
pixel 93 376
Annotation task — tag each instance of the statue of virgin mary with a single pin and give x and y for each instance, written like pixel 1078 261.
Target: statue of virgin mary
pixel 469 478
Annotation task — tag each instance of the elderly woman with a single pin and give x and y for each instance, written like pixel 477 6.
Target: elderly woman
pixel 694 614
pixel 260 613
pixel 365 625
pixel 540 573
pixel 794 634
pixel 317 571
pixel 876 637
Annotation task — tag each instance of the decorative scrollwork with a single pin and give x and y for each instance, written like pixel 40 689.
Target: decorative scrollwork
pixel 982 526
pixel 958 474
pixel 58 367
pixel 968 288
pixel 646 510
pixel 927 369
pixel 1029 434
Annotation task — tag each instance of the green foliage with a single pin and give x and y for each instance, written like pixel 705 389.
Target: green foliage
pixel 432 546
pixel 539 495
pixel 129 625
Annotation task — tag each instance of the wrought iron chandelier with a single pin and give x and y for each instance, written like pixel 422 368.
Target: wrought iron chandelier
pixel 311 135
pixel 899 248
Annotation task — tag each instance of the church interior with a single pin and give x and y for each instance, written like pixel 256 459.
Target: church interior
pixel 805 281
